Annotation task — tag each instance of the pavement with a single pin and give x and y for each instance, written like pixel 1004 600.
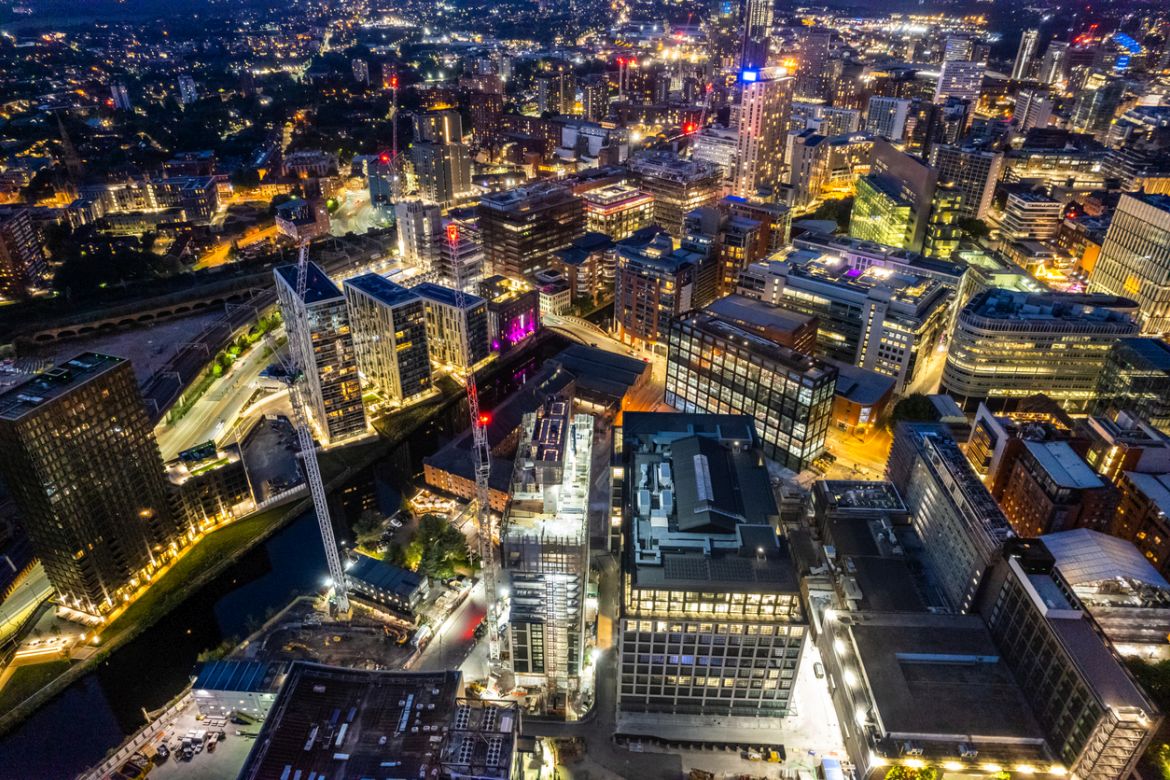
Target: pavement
pixel 453 644
pixel 225 761
pixel 21 603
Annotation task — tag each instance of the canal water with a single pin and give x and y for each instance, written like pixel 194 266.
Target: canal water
pixel 77 728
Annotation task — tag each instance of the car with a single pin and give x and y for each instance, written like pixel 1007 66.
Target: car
pixel 396 523
pixel 819 670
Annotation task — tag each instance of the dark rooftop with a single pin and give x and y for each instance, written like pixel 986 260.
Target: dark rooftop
pixel 382 289
pixel 241 676
pixel 318 286
pixel 445 295
pixel 384 576
pixel 54 383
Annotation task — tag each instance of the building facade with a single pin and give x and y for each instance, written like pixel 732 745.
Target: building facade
pixel 718 367
pixel 522 228
pixel 389 336
pixel 451 329
pixel 78 453
pixel 1135 258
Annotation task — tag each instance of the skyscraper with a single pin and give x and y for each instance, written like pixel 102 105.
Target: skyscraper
pixel 22 259
pixel 120 96
pixel 443 171
pixel 679 186
pixel 1033 109
pixel 1097 103
pixel 886 116
pixel 438 127
pixel 757 30
pixel 1135 258
pixel 389 336
pixel 188 93
pixel 78 453
pixel 319 331
pixel 812 70
pixel 961 79
pixel 1022 69
pixel 1054 63
pixel 765 106
pixel 521 228
pixel 420 233
pixel 460 263
pixel 972 172
pixel 892 206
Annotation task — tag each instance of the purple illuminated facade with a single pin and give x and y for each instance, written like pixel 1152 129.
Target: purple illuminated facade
pixel 513 316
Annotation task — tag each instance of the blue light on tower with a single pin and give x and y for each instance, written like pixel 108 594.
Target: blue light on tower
pixel 749 75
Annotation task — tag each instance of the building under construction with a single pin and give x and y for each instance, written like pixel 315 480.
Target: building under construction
pixel 545 543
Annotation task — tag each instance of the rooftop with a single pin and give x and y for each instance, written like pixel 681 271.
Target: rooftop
pixel 905 287
pixel 699 505
pixel 1063 465
pixel 1053 307
pixel 384 576
pixel 784 357
pixel 445 295
pixel 614 195
pixel 861 386
pixel 50 385
pixel 243 676
pixel 318 286
pixel 382 289
pixel 950 661
pixel 845 495
pixel 757 315
pixel 350 723
pixel 1085 556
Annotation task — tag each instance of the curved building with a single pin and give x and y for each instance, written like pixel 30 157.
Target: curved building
pixel 1007 345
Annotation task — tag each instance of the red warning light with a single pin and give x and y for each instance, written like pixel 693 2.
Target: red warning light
pixel 485 419
pixel 384 158
pixel 394 81
pixel 689 127
pixel 453 237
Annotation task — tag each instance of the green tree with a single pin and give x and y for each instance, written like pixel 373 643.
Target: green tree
pixel 913 408
pixel 368 527
pixel 976 228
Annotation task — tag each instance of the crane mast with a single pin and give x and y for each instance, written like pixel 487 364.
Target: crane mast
pixel 309 449
pixel 482 454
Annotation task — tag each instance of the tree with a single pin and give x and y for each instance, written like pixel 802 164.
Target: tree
pixel 368 527
pixel 976 228
pixel 835 210
pixel 913 408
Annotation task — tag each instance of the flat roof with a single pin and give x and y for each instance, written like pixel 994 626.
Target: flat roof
pixel 384 576
pixel 1063 465
pixel 847 494
pixel 860 385
pixel 382 289
pixel 1085 556
pixel 748 311
pixel 789 359
pixel 351 723
pixel 318 286
pixel 948 661
pixel 50 385
pixel 1154 350
pixel 445 295
pixel 241 676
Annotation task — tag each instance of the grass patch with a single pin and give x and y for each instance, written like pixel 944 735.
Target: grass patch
pixel 220 545
pixel 27 680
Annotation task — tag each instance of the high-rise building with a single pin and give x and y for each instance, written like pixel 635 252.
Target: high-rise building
pixel 438 127
pixel 812 70
pixel 757 31
pixel 1008 345
pixel 595 98
pixel 679 186
pixel 653 282
pixel 556 90
pixel 1025 55
pixel 1135 258
pixel 22 259
pixel 958 47
pixel 962 529
pixel 617 210
pixel 892 205
pixel 886 116
pixel 1054 64
pixel 451 327
pixel 460 263
pixel 544 541
pixel 361 71
pixel 1033 109
pixel 389 336
pixel 420 233
pixel 521 228
pixel 708 577
pixel 962 79
pixel 1094 714
pixel 319 331
pixel 972 172
pixel 1031 216
pixel 443 171
pixel 718 145
pixel 1136 379
pixel 188 93
pixel 764 115
pixel 715 365
pixel 78 453
pixel 1097 103
pixel 871 318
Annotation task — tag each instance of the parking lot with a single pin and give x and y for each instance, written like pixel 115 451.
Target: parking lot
pixel 224 760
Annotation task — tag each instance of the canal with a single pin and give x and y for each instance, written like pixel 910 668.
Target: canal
pixel 77 728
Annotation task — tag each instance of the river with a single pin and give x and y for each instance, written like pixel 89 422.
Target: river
pixel 77 728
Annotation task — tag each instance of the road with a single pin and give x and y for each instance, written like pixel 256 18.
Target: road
pixel 859 457
pixel 27 597
pixel 222 401
pixel 218 254
pixel 455 639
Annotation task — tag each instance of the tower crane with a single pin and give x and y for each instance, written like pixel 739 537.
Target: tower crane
pixel 481 452
pixel 294 371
